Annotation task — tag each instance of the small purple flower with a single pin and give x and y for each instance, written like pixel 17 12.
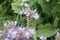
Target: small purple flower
pixel 6 39
pixel 22 38
pixel 1 33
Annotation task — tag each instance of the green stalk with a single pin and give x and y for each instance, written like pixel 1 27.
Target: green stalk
pixel 27 22
pixel 35 36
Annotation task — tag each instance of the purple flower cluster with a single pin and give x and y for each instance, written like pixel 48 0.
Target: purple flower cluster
pixel 14 32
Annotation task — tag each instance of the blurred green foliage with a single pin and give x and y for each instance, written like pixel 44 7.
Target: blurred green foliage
pixel 49 12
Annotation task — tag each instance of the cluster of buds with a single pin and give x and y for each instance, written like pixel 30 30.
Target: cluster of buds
pixel 9 23
pixel 18 32
pixel 30 13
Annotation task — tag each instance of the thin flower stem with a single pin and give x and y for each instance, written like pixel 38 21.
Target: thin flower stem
pixel 27 22
pixel 35 36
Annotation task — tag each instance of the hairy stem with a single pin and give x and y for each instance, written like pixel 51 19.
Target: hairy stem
pixel 27 22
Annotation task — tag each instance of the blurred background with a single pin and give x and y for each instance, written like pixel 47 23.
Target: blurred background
pixel 48 23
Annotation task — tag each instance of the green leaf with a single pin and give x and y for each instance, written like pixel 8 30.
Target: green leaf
pixel 46 32
pixel 55 22
pixel 16 6
pixel 42 5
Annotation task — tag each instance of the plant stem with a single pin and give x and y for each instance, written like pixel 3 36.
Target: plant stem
pixel 35 36
pixel 27 22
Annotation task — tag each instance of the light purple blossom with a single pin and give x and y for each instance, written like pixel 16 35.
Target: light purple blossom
pixel 5 24
pixel 32 31
pixel 18 31
pixel 27 34
pixel 30 13
pixel 6 39
pixel 1 33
